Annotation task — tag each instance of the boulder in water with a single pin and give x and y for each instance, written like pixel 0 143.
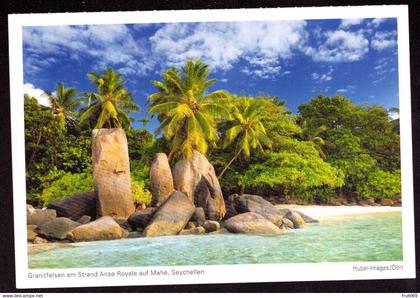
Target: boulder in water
pixel 104 228
pixel 171 217
pixel 257 204
pixel 111 173
pixel 251 223
pixel 161 181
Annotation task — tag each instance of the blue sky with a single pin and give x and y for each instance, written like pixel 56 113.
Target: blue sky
pixel 294 60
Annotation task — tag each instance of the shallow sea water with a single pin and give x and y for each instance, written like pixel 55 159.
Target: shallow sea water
pixel 367 237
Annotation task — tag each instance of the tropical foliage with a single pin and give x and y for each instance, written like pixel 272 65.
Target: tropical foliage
pixel 187 113
pixel 64 102
pixel 245 129
pixel 331 147
pixel 109 107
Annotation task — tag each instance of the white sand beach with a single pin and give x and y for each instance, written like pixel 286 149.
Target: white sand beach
pixel 317 211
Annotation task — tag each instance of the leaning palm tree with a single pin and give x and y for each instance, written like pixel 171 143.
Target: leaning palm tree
pixel 110 106
pixel 64 102
pixel 187 113
pixel 246 129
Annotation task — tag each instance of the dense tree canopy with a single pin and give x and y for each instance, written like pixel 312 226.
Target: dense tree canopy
pixel 331 147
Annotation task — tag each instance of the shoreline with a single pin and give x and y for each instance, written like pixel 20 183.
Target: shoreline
pixel 316 211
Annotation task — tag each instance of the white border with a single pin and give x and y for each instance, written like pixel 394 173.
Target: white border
pixel 213 273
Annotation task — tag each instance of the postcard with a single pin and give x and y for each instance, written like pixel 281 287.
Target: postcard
pixel 211 146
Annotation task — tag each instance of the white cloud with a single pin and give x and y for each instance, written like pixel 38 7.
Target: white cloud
pixel 384 40
pixel 377 81
pixel 347 89
pixel 37 93
pixel 325 77
pixel 107 44
pixel 261 44
pixel 376 22
pixel 340 46
pixel 346 23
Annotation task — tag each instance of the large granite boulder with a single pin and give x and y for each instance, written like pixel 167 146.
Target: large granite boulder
pixel 140 219
pixel 196 177
pixel 161 181
pixel 57 228
pixel 111 173
pixel 76 206
pixel 251 223
pixel 40 216
pixel 253 203
pixel 171 217
pixel 104 228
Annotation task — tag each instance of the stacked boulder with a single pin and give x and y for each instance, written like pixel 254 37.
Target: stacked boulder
pixel 185 201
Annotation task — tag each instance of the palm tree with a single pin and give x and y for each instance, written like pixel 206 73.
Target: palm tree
pixel 111 104
pixel 246 128
pixel 144 121
pixel 64 102
pixel 313 135
pixel 187 113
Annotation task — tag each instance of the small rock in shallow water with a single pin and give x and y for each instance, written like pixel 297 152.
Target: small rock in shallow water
pixel 211 226
pixel 297 220
pixel 193 231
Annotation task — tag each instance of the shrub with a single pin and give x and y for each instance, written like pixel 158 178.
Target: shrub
pixel 67 185
pixel 140 192
pixel 380 185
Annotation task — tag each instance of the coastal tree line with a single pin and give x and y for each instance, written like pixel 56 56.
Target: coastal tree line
pixel 332 148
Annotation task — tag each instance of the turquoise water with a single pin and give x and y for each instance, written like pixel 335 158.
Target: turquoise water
pixel 374 237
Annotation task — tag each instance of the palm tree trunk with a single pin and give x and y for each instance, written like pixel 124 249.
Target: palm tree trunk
pixel 230 162
pixel 171 153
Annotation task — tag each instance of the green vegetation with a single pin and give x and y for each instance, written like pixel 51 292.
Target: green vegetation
pixel 67 184
pixel 187 114
pixel 330 148
pixel 111 104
